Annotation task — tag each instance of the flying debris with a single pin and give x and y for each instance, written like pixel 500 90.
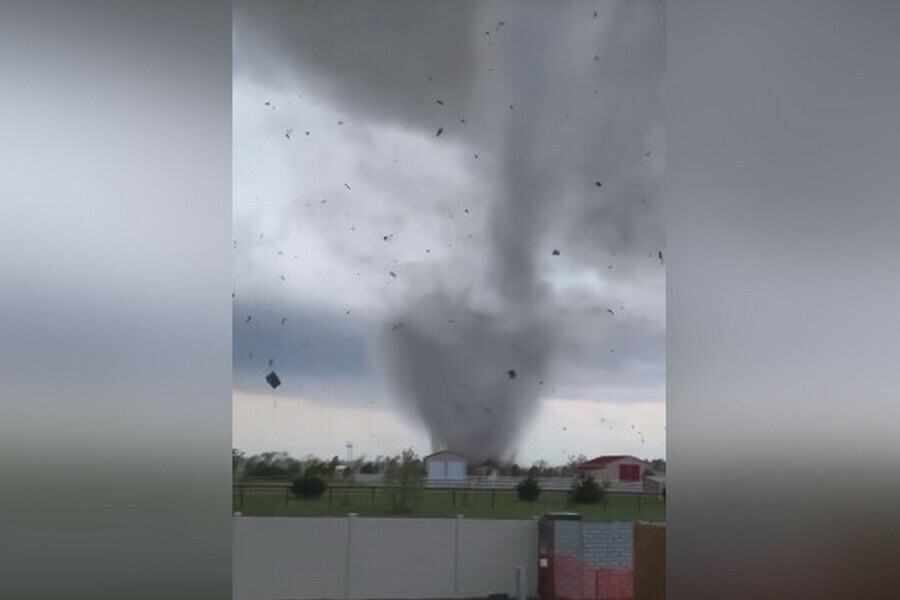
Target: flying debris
pixel 346 186
pixel 441 102
pixel 499 25
pixel 306 132
pixel 511 373
pixel 555 252
pixel 439 132
pixel 393 274
pixel 283 319
pixel 660 256
pixel 271 362
pixel 288 133
pixel 610 311
pixel 272 379
pixel 598 183
pixel 247 320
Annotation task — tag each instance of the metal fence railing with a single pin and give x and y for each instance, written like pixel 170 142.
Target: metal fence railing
pixel 275 498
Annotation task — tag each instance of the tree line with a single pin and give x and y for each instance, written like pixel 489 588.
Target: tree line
pixel 281 465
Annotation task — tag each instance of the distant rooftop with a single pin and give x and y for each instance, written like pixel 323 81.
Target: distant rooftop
pixel 602 461
pixel 445 454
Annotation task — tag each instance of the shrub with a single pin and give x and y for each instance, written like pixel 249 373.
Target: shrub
pixel 528 489
pixel 308 486
pixel 586 490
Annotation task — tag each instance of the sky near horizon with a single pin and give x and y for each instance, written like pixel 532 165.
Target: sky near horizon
pixel 394 159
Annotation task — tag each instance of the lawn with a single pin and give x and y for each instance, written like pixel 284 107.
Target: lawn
pixel 368 501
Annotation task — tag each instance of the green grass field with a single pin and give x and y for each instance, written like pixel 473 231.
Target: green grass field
pixel 276 500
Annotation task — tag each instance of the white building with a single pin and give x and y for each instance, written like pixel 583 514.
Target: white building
pixel 446 466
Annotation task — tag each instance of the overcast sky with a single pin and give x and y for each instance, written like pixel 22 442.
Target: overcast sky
pixel 420 185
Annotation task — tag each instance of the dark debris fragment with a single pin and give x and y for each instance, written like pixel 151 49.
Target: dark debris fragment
pixel 511 373
pixel 555 252
pixel 272 379
pixel 439 132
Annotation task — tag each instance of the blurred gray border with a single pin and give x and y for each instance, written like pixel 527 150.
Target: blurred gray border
pixel 782 338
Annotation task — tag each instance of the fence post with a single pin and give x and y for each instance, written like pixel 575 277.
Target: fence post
pixel 286 497
pixel 492 499
pixel 330 496
pixel 456 558
pixel 350 517
pixel 520 583
pixel 454 497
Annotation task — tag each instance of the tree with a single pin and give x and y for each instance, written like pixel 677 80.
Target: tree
pixel 528 489
pixel 572 466
pixel 308 486
pixel 586 490
pixel 405 473
pixel 237 463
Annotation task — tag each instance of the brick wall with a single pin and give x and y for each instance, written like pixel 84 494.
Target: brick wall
pixel 593 561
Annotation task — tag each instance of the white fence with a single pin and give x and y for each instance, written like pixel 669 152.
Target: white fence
pixel 503 482
pixel 354 558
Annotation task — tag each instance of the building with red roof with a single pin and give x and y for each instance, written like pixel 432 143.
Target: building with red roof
pixel 619 470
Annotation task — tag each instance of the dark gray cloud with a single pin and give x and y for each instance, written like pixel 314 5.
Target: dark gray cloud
pixel 305 346
pixel 558 117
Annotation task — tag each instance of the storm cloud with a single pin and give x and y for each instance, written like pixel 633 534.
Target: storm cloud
pixel 504 215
